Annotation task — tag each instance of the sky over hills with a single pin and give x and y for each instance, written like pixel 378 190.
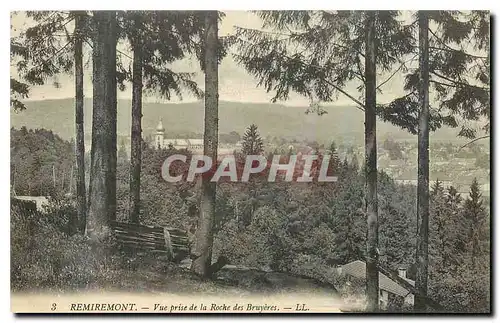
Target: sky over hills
pixel 235 83
pixel 240 98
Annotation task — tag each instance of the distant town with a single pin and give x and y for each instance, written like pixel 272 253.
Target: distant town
pixel 453 164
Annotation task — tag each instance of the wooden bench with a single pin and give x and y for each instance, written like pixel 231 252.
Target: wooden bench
pixel 172 242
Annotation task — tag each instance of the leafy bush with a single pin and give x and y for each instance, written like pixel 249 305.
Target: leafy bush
pixel 44 255
pixel 461 290
pixel 352 291
pixel 61 213
pixel 314 267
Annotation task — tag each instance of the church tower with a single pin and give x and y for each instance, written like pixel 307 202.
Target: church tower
pixel 159 135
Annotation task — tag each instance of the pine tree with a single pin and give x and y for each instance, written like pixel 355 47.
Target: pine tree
pixel 460 81
pixel 454 205
pixel 446 250
pixel 102 187
pixel 453 198
pixel 202 250
pixel 53 49
pixel 355 163
pixel 459 73
pixel 147 33
pixel 370 75
pixel 347 222
pixel 334 157
pixel 462 284
pixel 252 142
pixel 318 52
pixel 333 148
pixel 441 235
pixel 122 152
pixel 477 261
pixel 397 223
pixel 137 44
pixel 81 192
pixel 19 89
pixel 476 220
pixel 423 163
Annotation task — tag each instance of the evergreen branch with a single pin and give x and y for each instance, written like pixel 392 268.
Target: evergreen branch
pixel 49 17
pixel 126 55
pixel 451 49
pixel 458 82
pixel 359 73
pixel 441 83
pixel 52 57
pixel 59 35
pixel 69 19
pixel 174 32
pixel 291 36
pixel 384 105
pixel 182 78
pixel 397 70
pixel 360 106
pixel 474 140
pixel 58 52
pixel 50 35
pixel 88 43
pixel 440 40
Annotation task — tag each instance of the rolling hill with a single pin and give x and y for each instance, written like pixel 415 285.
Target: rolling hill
pixel 341 123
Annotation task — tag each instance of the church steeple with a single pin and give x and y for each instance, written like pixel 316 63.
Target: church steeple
pixel 160 132
pixel 159 127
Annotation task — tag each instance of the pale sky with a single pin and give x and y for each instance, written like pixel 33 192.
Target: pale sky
pixel 235 84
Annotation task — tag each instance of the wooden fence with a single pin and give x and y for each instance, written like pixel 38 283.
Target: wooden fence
pixel 22 206
pixel 165 240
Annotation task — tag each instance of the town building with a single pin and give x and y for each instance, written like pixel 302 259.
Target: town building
pixel 195 145
pixel 389 290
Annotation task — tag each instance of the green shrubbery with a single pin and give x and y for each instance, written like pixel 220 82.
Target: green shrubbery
pixel 44 255
pixel 301 229
pixel 312 236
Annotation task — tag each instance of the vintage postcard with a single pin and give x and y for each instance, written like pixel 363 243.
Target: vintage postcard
pixel 318 161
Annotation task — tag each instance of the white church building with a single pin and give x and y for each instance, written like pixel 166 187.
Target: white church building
pixel 194 145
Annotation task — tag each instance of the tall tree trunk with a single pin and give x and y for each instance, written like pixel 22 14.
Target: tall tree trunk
pixel 112 90
pixel 136 131
pixel 202 251
pixel 81 200
pixel 102 187
pixel 372 281
pixel 422 256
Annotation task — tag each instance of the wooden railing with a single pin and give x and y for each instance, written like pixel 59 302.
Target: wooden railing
pixel 170 241
pixel 23 206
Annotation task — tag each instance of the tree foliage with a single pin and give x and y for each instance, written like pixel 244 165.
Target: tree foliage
pixel 316 53
pixel 459 250
pixel 459 72
pixel 36 156
pixel 252 143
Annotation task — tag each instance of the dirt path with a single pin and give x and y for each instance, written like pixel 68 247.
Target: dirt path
pixel 234 289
